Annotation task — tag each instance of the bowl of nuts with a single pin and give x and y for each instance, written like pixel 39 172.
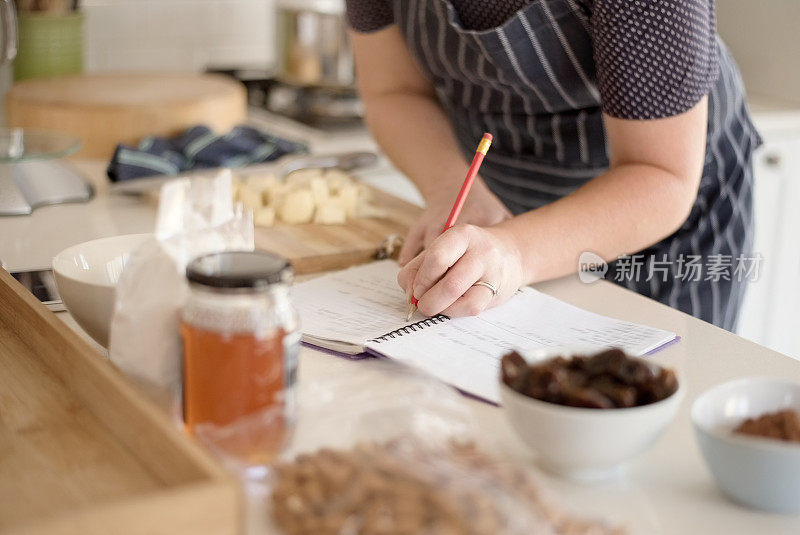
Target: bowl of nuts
pixel 748 431
pixel 586 415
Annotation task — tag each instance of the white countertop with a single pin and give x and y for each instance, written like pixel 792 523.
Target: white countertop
pixel 30 242
pixel 668 490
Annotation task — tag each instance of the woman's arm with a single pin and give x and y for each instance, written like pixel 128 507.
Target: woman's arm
pixel 645 196
pixel 409 124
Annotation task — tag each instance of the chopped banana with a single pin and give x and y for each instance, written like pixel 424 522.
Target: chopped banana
pixel 349 196
pixel 330 212
pixel 302 177
pixel 264 217
pixel 328 197
pixel 319 188
pixel 298 207
pixel 262 182
pixel 250 198
pixel 337 179
pixel 274 194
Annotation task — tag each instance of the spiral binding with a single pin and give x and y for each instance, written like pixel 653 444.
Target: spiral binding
pixel 414 327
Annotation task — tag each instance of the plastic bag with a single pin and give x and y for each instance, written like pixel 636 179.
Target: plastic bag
pixel 383 449
pixel 195 217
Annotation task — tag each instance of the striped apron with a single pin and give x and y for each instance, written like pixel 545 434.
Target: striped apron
pixel 531 82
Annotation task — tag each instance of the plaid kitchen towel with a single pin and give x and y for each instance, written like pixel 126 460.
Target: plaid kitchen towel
pixel 198 148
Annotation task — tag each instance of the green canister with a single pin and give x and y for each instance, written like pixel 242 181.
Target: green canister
pixel 49 45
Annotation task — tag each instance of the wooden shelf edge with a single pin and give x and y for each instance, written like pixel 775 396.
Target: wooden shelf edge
pixel 212 507
pixel 120 406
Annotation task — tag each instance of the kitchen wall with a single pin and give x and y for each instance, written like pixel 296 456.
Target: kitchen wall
pixel 177 34
pixel 762 36
pixel 192 34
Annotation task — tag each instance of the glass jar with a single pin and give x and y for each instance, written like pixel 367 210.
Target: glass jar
pixel 240 343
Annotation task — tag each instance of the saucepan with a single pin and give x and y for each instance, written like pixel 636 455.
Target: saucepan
pixel 312 45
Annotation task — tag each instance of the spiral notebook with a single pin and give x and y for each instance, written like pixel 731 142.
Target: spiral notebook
pixel 361 312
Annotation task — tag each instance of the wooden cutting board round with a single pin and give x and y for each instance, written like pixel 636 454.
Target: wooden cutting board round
pixel 108 108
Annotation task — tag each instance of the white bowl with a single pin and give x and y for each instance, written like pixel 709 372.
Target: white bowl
pixel 586 444
pixel 87 275
pixel 758 472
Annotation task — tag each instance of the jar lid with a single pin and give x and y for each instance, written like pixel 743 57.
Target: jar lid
pixel 239 269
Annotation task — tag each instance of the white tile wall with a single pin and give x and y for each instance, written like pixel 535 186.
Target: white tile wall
pixel 177 34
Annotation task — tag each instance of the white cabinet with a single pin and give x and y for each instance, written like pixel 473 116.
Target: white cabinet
pixel 771 311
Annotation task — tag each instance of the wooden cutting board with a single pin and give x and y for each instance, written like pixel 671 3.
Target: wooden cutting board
pixel 312 248
pixel 104 109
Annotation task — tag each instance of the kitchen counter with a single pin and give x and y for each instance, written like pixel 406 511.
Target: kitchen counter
pixel 30 242
pixel 668 490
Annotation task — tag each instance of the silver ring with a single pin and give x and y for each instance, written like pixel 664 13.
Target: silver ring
pixel 489 285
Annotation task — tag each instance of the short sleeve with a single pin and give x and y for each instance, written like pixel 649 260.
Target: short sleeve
pixel 367 16
pixel 654 58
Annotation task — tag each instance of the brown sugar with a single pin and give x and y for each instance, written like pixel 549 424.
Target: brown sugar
pixel 781 425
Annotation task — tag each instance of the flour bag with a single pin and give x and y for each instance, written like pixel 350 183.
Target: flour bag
pixel 195 217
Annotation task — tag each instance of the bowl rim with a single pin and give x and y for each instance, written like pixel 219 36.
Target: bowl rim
pixel 61 257
pixel 748 441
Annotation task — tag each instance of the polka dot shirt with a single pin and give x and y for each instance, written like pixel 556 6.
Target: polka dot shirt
pixel 653 58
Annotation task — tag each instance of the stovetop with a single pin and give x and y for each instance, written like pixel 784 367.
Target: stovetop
pixel 330 109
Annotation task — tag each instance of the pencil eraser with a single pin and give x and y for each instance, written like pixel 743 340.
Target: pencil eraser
pixel 488 136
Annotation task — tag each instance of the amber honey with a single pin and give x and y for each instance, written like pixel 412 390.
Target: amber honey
pixel 230 377
pixel 227 376
pixel 240 344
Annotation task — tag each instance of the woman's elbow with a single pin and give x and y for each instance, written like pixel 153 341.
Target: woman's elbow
pixel 681 200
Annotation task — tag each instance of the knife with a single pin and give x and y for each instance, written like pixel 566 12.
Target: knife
pixel 346 161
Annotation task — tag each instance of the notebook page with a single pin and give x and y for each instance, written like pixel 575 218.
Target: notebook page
pixel 352 306
pixel 465 352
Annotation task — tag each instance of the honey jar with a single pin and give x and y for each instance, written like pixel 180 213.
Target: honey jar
pixel 240 344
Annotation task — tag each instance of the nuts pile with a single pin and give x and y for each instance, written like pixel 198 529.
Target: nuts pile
pixel 780 425
pixel 401 488
pixel 308 195
pixel 610 379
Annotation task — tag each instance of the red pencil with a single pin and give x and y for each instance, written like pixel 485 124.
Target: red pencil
pixel 477 160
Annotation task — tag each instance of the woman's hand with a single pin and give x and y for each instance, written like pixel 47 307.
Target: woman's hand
pixel 482 208
pixel 442 276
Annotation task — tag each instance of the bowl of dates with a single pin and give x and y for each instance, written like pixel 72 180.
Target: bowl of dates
pixel 586 414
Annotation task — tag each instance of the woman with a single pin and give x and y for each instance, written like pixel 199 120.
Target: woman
pixel 620 128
